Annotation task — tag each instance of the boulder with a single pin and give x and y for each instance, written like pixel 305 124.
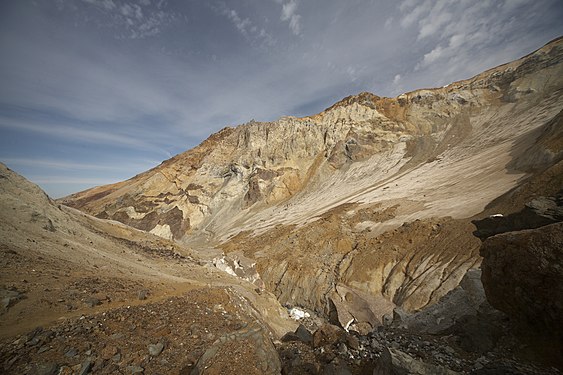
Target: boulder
pixel 523 277
pixel 301 334
pixel 328 334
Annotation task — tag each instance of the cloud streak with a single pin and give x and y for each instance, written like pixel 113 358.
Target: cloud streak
pixel 66 165
pixel 289 14
pixel 458 31
pixel 247 28
pixel 134 20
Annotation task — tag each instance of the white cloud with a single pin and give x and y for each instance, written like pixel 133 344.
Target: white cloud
pixel 288 10
pixel 241 24
pixel 434 23
pixel 457 31
pixel 105 4
pixel 289 14
pixel 431 56
pixel 245 26
pixel 413 16
pixel 396 79
pixel 137 18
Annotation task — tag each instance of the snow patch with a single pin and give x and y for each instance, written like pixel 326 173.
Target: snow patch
pixel 297 314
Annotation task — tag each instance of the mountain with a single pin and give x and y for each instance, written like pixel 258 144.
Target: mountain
pixel 371 198
pixel 435 152
pixel 363 222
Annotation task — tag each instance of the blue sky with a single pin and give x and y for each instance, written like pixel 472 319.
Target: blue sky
pixel 96 91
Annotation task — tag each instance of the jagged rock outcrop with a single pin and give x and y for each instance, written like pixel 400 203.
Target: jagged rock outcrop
pixel 522 276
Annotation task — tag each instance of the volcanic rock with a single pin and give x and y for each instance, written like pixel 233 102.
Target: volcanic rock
pixel 522 276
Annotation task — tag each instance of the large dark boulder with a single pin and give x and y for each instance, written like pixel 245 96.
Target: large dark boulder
pixel 523 277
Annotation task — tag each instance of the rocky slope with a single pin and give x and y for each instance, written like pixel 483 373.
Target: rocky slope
pixel 82 295
pixel 365 206
pixel 461 138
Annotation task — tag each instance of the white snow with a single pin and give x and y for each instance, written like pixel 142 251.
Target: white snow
pixel 497 215
pixel 296 313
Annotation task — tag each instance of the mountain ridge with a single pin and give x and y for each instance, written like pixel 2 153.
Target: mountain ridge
pixel 353 129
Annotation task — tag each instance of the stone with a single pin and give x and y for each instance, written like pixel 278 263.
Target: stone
pixel 396 362
pixel 399 317
pixel 353 342
pixel 249 349
pixel 537 213
pixel 92 301
pixel 45 369
pixel 109 351
pixel 9 297
pixel 462 302
pixel 142 294
pixel 337 369
pixel 155 349
pixel 303 334
pixel 86 367
pixel 362 328
pixel 135 369
pixel 72 352
pixel 328 334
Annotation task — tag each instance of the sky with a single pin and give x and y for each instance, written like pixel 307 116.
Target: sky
pixel 96 91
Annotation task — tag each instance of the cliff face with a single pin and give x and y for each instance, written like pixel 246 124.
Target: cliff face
pixel 425 155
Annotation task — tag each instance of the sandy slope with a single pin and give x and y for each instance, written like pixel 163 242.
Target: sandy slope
pixel 65 263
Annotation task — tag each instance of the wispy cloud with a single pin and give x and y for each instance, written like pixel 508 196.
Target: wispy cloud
pixel 289 14
pixel 73 133
pixel 458 31
pixel 133 19
pixel 66 165
pixel 58 180
pixel 249 29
